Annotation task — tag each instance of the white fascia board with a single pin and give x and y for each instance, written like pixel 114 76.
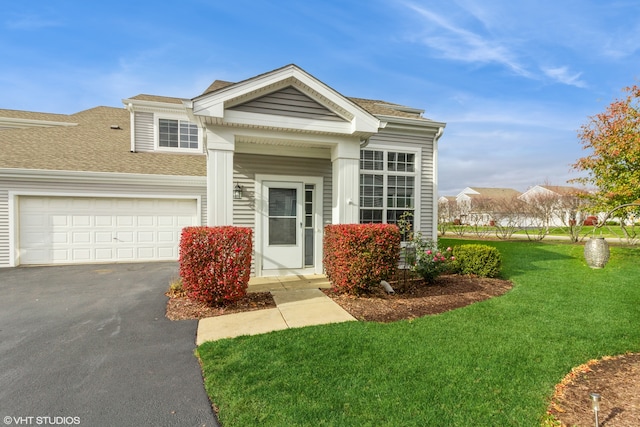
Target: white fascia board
pixel 8 122
pixel 102 177
pixel 153 106
pixel 393 122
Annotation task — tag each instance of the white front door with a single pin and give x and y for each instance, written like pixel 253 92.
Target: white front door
pixel 282 226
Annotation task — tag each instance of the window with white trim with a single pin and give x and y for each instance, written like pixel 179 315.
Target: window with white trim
pixel 387 185
pixel 174 133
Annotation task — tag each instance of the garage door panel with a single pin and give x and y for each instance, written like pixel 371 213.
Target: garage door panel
pixel 57 255
pixel 59 220
pixel 81 254
pixel 81 237
pixel 146 252
pixel 59 238
pixel 74 230
pixel 104 254
pixel 105 237
pixel 166 221
pixel 80 221
pixel 125 254
pixel 103 221
pixel 184 221
pixel 145 237
pixel 146 221
pixel 167 253
pixel 125 221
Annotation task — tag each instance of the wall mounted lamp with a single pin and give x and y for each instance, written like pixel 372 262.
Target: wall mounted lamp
pixel 237 192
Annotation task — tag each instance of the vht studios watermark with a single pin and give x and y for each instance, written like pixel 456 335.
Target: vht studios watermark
pixel 41 421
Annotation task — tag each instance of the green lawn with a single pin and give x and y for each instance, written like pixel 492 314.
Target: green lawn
pixel 494 363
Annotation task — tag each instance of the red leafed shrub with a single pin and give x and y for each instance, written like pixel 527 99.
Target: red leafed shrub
pixel 358 256
pixel 215 263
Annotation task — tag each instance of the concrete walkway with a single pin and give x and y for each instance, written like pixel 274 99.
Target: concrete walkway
pixel 299 302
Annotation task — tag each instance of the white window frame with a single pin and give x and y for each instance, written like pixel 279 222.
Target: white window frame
pixel 385 172
pixel 180 118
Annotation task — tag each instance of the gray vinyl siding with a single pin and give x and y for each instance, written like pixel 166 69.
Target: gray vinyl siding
pixel 77 188
pixel 246 166
pixel 425 143
pixel 144 132
pixel 288 102
pixel 4 228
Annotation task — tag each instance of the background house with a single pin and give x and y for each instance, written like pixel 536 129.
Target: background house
pixel 556 205
pixel 282 153
pixel 482 205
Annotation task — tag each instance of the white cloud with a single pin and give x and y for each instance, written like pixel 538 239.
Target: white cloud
pixel 564 76
pixel 456 43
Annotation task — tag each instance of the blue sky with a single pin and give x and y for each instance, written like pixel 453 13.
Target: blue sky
pixel 513 80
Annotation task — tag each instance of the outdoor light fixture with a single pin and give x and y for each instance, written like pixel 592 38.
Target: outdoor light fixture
pixel 237 192
pixel 596 250
pixel 595 404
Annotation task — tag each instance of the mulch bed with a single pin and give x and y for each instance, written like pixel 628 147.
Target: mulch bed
pixel 417 299
pixel 616 379
pixel 179 307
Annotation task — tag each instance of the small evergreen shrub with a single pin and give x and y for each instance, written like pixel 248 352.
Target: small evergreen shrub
pixel 358 256
pixel 479 260
pixel 215 263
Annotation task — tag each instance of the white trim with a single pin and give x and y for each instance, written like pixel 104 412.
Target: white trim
pixel 16 123
pixel 14 204
pixel 286 122
pixel 104 177
pixel 215 104
pixel 179 117
pixel 319 232
pixel 283 150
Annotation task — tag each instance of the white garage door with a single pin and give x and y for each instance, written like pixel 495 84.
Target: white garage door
pixel 64 230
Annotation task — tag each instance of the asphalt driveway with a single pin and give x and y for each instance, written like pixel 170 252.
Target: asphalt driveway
pixel 91 344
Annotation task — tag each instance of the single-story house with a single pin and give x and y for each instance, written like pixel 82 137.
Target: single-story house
pixel 282 153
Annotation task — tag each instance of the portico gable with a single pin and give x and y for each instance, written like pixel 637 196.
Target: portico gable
pixel 285 112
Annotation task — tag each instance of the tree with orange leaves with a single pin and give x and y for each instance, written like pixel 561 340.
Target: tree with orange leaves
pixel 613 166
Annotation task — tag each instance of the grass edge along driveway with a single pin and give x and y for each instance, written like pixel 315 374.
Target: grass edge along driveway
pixel 491 363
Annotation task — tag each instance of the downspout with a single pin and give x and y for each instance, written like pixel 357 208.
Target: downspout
pixel 434 230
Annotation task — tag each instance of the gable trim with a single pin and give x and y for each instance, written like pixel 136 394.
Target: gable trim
pixel 216 104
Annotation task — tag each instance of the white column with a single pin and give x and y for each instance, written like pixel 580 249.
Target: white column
pixel 346 183
pixel 220 148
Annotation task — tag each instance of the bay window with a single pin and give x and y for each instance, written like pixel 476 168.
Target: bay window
pixel 387 185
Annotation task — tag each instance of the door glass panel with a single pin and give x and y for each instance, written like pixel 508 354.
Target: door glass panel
pixel 282 216
pixel 308 225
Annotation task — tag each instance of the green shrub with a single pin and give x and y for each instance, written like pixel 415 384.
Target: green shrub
pixel 480 260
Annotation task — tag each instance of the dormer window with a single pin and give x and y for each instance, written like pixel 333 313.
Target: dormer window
pixel 179 134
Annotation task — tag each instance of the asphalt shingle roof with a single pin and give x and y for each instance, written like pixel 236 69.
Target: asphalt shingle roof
pixel 91 146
